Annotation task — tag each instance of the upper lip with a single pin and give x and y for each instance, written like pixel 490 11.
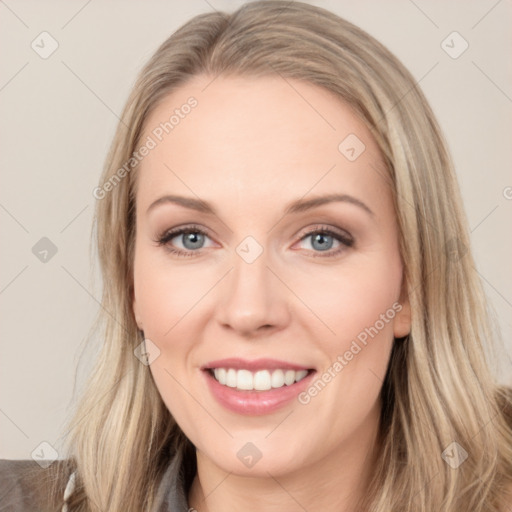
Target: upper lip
pixel 254 365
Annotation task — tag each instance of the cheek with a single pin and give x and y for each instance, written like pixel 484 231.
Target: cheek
pixel 360 306
pixel 170 298
pixel 166 293
pixel 355 298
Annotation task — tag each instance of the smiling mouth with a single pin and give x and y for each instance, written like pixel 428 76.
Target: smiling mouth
pixel 261 380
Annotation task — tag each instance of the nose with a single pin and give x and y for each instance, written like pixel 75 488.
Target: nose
pixel 254 300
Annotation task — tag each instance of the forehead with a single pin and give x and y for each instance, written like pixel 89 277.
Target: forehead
pixel 250 139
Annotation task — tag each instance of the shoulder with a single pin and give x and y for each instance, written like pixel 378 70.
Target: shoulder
pixel 15 490
pixel 24 484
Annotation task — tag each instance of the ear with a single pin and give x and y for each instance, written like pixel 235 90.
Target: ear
pixel 402 320
pixel 136 314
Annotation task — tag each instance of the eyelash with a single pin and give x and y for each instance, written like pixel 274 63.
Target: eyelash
pixel 167 236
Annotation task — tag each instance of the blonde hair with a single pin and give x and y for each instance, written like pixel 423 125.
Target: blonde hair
pixel 439 388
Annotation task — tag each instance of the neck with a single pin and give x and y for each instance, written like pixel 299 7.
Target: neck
pixel 337 482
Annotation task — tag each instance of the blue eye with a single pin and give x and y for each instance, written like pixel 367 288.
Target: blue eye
pixel 322 239
pixel 193 238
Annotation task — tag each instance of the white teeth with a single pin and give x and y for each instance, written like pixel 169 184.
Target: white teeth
pixel 231 378
pixel 289 377
pixel 277 378
pixel 244 379
pixel 262 380
pixel 300 375
pixel 220 375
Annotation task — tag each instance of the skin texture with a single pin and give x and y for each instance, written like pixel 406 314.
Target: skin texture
pixel 250 147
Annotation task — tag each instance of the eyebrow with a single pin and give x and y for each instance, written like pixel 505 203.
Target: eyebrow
pixel 297 206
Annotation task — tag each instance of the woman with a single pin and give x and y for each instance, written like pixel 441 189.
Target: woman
pixel 291 314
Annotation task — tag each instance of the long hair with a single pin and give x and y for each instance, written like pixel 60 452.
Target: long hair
pixel 439 389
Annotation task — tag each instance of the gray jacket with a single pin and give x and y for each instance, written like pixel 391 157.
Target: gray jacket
pixel 18 495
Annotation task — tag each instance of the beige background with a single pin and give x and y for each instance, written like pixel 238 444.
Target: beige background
pixel 57 119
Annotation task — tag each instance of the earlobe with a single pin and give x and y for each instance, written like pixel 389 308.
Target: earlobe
pixel 402 323
pixel 136 315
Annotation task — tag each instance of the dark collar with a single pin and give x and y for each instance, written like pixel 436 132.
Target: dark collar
pixel 176 481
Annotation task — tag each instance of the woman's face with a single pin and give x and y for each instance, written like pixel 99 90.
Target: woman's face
pixel 287 282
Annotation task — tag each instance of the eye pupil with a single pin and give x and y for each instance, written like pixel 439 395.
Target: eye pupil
pixel 321 239
pixel 196 239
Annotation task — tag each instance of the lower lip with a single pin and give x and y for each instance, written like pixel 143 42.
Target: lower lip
pixel 255 403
